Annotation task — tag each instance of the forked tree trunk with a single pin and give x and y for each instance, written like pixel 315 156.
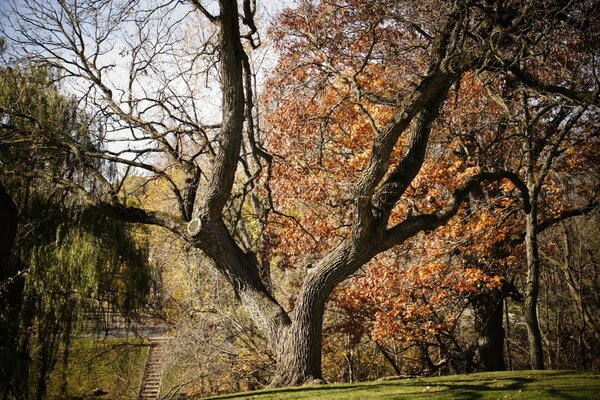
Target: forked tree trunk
pixel 297 338
pixel 299 348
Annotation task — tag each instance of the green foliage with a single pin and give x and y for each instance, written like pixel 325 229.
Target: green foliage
pixel 75 259
pixel 86 259
pixel 76 262
pixel 113 365
pixel 39 124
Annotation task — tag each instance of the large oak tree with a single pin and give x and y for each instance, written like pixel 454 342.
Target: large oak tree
pixel 147 70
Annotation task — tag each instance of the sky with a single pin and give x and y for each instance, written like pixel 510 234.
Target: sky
pixel 117 53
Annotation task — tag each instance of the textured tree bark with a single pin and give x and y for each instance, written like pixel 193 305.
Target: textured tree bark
pixel 299 350
pixel 532 291
pixel 299 353
pixel 232 105
pixel 488 309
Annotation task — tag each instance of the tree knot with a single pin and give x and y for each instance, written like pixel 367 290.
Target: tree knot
pixel 194 227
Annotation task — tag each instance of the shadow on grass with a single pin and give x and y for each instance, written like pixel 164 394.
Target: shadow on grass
pixel 464 387
pixel 570 395
pixel 470 390
pixel 352 387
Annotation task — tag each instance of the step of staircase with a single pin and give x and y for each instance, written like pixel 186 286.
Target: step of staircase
pixel 153 370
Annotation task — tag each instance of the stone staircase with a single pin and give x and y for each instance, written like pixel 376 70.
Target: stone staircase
pixel 153 369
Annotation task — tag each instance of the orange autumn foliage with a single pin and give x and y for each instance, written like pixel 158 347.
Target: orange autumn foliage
pixel 322 128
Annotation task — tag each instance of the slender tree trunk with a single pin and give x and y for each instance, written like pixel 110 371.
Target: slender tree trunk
pixel 532 291
pixel 388 357
pixel 507 337
pixel 573 284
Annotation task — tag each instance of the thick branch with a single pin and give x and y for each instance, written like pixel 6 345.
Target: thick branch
pixel 398 181
pixel 424 102
pixel 230 137
pixel 141 216
pixel 550 222
pixel 432 87
pixel 577 97
pixel 429 222
pixel 241 270
pixel 203 10
pixel 553 151
pixel 574 212
pixel 208 231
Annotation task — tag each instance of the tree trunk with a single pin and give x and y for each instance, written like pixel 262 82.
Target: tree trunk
pixel 574 284
pixel 8 230
pixel 299 349
pixel 11 299
pixel 532 291
pixel 297 339
pixel 299 353
pixel 388 357
pixel 508 350
pixel 488 308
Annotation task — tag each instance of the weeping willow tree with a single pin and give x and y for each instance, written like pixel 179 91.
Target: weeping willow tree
pixel 77 264
pixel 66 260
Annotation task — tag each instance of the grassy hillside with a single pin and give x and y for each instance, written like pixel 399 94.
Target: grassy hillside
pixel 497 385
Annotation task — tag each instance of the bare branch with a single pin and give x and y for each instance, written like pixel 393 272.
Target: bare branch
pixel 203 10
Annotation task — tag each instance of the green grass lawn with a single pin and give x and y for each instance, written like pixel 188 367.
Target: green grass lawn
pixel 113 365
pixel 490 385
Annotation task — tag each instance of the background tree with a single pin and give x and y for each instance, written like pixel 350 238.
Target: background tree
pixel 568 281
